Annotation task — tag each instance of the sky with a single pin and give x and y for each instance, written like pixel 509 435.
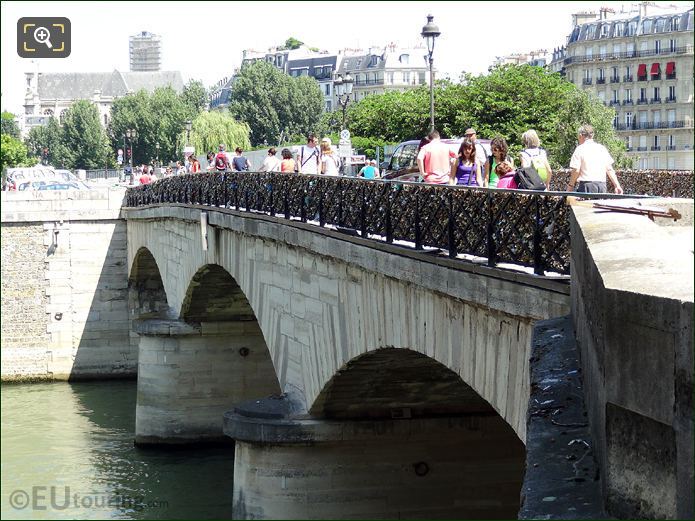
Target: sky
pixel 205 40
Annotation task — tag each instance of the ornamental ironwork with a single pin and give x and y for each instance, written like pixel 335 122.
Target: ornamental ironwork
pixel 504 226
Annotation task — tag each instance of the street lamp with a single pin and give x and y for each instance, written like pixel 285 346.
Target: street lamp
pixel 131 134
pixel 157 160
pixel 343 89
pixel 189 126
pixel 430 33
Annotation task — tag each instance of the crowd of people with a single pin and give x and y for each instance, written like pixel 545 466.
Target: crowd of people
pixel 590 166
pixel 437 163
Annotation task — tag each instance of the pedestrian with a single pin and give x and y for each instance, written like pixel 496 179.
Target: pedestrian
pixel 434 160
pixel 480 154
pixel 506 174
pixel 180 169
pixel 500 154
pixel 466 170
pixel 211 161
pixel 241 164
pixel 534 155
pixel 195 164
pixel 308 157
pixel 367 171
pixel 287 165
pixel 271 163
pixel 145 177
pixel 590 164
pixel 329 161
pixel 221 160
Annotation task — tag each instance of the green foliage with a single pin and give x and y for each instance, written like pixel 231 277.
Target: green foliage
pixel 13 153
pixel 291 43
pixel 272 103
pixel 210 129
pixel 194 97
pixel 506 102
pixel 48 137
pixel 9 126
pixel 83 139
pixel 158 118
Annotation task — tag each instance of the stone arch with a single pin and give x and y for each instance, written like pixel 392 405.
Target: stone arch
pixel 213 295
pixel 394 383
pixel 147 297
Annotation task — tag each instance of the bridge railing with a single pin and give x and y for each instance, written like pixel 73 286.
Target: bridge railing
pixel 504 226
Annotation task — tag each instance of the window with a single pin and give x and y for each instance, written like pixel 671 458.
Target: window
pixel 406 77
pixel 657 94
pixel 403 157
pixel 318 72
pixel 629 142
pixel 656 142
pixel 327 86
pixel 590 32
pixel 328 106
pixel 630 49
pixel 643 94
pixel 404 59
pixel 671 142
pixel 589 53
pixel 106 119
pixel 672 93
pixel 48 112
pixel 655 163
pixel 616 120
pixel 279 61
pixel 656 117
pixel 628 119
pixel 672 45
pixel 644 47
pixel 647 26
pixel 618 29
pixel 675 23
pixel 671 115
pixel 643 142
pixel 628 96
pixel 615 95
pixel 657 46
pixel 672 162
pixel 602 96
pixel 616 50
pixel 601 75
pixel 642 117
pixel 631 29
pixel 671 71
pixel 389 78
pixel 643 162
pixel 605 30
pixel 62 115
pixel 642 72
pixel 660 25
pixel 602 51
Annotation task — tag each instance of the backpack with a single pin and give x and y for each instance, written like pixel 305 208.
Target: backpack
pixel 527 178
pixel 220 162
pixel 538 163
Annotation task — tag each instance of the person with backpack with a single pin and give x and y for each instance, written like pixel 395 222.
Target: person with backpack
pixel 309 157
pixel 221 160
pixel 534 155
pixel 240 163
pixel 500 154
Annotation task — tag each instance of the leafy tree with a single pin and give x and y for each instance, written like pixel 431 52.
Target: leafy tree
pixel 272 103
pixel 84 139
pixel 506 102
pixel 13 153
pixel 195 97
pixel 291 43
pixel 9 125
pixel 210 129
pixel 47 138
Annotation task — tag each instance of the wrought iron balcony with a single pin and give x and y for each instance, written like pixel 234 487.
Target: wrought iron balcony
pixel 615 79
pixel 670 100
pixel 600 81
pixel 656 148
pixel 627 78
pixel 655 100
pixel 587 81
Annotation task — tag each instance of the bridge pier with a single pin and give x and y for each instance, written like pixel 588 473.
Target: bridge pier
pixel 188 375
pixel 291 466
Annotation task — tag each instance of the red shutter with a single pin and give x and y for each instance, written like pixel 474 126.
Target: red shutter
pixel 642 69
pixel 670 67
pixel 656 69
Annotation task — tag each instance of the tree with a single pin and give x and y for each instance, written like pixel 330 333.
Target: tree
pixel 13 153
pixel 9 125
pixel 210 129
pixel 47 138
pixel 84 139
pixel 272 103
pixel 291 43
pixel 506 102
pixel 195 97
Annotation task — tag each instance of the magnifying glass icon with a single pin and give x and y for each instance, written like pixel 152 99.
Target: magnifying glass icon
pixel 43 35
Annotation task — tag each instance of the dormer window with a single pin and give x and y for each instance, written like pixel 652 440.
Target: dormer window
pixel 604 30
pixel 404 59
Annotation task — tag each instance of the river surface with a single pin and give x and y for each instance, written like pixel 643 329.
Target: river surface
pixel 68 453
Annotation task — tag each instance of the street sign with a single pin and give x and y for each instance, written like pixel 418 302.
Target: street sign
pixel 344 134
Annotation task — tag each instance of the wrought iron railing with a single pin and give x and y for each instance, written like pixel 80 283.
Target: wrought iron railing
pixel 504 226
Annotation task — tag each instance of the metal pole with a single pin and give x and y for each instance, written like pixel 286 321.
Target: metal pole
pixel 431 95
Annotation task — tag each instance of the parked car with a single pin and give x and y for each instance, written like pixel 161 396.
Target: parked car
pixel 403 163
pixel 59 186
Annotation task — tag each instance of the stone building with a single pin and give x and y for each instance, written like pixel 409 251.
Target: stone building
pixel 51 94
pixel 539 58
pixel 641 64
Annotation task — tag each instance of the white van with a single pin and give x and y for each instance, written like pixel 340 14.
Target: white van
pixel 43 178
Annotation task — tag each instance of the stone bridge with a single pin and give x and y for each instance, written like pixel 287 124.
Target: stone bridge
pixel 361 370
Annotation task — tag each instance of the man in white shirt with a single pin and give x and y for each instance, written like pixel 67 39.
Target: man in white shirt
pixel 309 157
pixel 590 164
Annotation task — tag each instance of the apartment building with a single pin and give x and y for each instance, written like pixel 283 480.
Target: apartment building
pixel 641 65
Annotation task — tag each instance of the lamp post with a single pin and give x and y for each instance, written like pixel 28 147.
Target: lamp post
pixel 430 32
pixel 131 134
pixel 157 160
pixel 189 126
pixel 343 90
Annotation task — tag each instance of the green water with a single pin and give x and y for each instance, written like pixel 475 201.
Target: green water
pixel 68 453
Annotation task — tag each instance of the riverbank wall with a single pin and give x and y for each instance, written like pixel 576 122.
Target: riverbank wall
pixel 65 286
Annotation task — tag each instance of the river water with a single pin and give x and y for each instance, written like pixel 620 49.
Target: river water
pixel 68 453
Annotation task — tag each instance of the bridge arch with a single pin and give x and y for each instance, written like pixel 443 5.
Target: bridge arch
pixel 147 297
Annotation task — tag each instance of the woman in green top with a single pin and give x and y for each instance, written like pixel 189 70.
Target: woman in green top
pixel 500 150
